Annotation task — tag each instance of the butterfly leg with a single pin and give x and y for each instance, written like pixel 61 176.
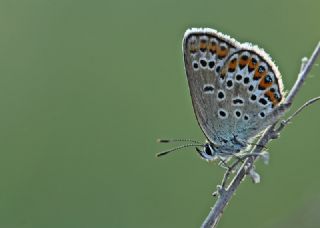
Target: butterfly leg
pixel 244 143
pixel 221 188
pixel 223 164
pixel 230 170
pixel 264 155
pixel 239 141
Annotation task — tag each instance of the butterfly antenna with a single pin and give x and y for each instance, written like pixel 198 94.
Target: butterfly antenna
pixel 177 140
pixel 176 148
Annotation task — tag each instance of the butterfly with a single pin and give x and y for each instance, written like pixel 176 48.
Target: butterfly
pixel 235 90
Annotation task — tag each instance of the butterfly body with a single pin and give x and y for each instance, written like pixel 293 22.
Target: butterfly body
pixel 234 88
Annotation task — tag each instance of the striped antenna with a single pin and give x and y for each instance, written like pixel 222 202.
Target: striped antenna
pixel 177 140
pixel 176 148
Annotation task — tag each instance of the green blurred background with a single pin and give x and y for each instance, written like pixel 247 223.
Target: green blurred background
pixel 86 88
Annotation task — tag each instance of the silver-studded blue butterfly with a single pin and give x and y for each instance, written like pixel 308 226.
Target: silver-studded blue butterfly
pixel 235 89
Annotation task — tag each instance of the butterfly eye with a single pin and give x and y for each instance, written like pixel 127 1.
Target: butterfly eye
pixel 207 150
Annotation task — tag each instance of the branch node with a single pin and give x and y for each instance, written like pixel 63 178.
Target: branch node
pixel 220 190
pixel 255 177
pixel 265 157
pixel 215 194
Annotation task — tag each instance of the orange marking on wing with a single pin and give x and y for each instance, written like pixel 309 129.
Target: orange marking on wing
pixel 272 97
pixel 222 51
pixel 263 83
pixel 252 64
pixel 232 65
pixel 269 95
pixel 212 47
pixel 203 44
pixel 259 74
pixel 243 62
pixel 193 47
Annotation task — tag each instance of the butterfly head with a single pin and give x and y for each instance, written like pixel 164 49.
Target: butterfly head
pixel 209 152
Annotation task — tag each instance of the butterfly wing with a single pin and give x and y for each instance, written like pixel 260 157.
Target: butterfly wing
pixel 234 87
